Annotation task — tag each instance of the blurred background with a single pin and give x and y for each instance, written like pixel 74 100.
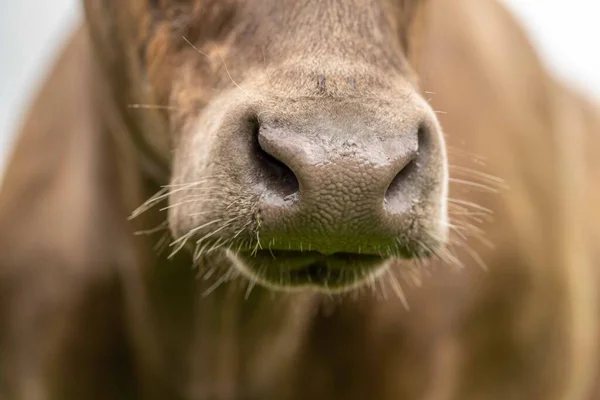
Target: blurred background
pixel 567 34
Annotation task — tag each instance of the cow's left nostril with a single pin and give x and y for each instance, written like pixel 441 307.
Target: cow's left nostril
pixel 399 195
pixel 274 174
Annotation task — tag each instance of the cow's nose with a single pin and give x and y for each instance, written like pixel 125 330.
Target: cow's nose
pixel 335 179
pixel 339 191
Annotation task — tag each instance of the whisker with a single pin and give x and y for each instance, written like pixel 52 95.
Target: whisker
pixel 161 195
pixel 148 203
pixel 474 184
pixel 251 284
pixel 161 227
pixel 382 287
pixel 162 243
pixel 225 226
pixel 214 246
pixel 209 273
pixel 218 282
pixel 480 174
pixel 227 70
pixel 470 204
pixel 457 230
pixel 194 47
pixel 187 200
pixel 475 256
pixel 178 248
pixel 193 231
pixel 457 151
pixel 397 289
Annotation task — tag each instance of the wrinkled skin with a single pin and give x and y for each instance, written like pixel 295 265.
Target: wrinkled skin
pixel 316 212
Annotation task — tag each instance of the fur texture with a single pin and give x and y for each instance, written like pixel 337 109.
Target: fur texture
pixel 95 304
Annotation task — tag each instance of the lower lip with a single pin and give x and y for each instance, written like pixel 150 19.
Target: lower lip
pixel 292 268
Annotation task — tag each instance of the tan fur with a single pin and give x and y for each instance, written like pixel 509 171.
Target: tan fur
pixel 89 310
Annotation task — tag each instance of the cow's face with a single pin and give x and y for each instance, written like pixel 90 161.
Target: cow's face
pixel 301 150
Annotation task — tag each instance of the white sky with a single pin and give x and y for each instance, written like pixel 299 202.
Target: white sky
pixel 567 34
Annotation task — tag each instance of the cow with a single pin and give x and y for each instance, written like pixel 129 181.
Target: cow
pixel 301 199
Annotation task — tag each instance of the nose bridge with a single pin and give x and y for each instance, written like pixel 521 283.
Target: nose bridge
pixel 348 155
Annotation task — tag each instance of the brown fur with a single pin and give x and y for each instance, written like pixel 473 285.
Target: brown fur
pixel 88 310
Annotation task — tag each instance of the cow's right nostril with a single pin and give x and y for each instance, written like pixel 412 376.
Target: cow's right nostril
pixel 274 173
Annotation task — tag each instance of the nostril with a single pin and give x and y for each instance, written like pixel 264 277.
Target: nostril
pixel 396 187
pixel 273 173
pixel 401 190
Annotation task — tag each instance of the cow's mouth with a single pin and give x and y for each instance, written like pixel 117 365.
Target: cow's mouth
pixel 296 269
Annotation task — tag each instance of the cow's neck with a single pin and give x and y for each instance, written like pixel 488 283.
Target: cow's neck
pixel 225 339
pixel 246 342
